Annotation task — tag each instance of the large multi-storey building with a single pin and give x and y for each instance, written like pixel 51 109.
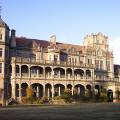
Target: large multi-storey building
pixel 50 67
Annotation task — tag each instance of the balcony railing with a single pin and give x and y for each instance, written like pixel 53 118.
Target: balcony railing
pixel 53 77
pixel 104 79
pixel 48 62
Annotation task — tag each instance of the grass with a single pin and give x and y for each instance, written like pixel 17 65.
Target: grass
pixel 82 111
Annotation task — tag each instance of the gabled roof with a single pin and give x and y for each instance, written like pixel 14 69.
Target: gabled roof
pixel 27 42
pixel 65 46
pixel 22 42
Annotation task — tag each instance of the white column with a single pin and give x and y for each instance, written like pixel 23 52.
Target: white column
pixel 13 70
pixel 3 55
pixel 37 73
pixel 78 90
pixel 48 92
pixel 73 74
pixel 72 90
pixel 44 73
pixel 20 93
pixel 85 75
pixel 52 73
pixel 13 80
pixel 13 89
pixel 58 90
pixel 43 90
pixel 65 73
pixel 37 92
pixel 53 91
pixel 20 70
pixel 66 86
pixel 59 74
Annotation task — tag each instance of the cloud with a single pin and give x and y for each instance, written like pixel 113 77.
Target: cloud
pixel 115 47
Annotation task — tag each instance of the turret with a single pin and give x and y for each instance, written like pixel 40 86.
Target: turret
pixel 4 31
pixel 13 42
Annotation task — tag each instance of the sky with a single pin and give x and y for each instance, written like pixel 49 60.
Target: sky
pixel 69 20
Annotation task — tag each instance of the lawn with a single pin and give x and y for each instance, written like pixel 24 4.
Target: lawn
pixel 83 111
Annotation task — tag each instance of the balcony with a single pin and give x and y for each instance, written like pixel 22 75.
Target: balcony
pixel 48 62
pixel 97 70
pixel 26 75
pixel 105 79
pixel 52 77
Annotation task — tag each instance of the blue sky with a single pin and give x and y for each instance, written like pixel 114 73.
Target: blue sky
pixel 70 20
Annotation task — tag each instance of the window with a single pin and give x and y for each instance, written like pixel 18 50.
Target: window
pixel 55 58
pixel 50 57
pixel 89 61
pixel 0 36
pixel 0 52
pixel 70 60
pixel 75 60
pixel 108 65
pixel 0 67
pixel 101 64
pixel 97 64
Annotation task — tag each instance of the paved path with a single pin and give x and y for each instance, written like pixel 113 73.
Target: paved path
pixel 83 111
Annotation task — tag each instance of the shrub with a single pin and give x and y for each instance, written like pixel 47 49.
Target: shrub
pixel 24 99
pixel 67 96
pixel 29 96
pixel 45 99
pixel 38 101
pixel 117 95
pixel 29 92
pixel 103 95
pixel 57 97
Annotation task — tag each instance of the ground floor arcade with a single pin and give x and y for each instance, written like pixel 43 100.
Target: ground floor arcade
pixel 18 90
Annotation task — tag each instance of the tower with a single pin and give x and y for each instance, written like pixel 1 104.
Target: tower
pixel 103 58
pixel 4 61
pixel 97 41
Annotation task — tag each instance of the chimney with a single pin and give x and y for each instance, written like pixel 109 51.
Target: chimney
pixel 53 39
pixel 13 41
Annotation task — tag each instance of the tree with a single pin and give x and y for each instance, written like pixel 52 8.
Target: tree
pixel 67 96
pixel 103 95
pixel 29 98
pixel 117 95
pixel 29 92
